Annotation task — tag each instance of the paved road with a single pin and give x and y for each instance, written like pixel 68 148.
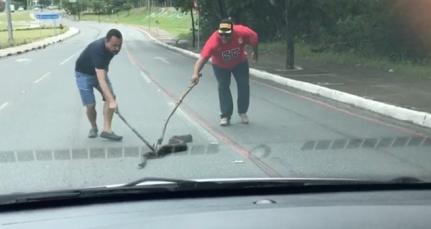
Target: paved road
pixel 43 129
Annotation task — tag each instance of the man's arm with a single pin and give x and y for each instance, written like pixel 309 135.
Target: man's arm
pixel 107 94
pixel 254 53
pixel 252 40
pixel 197 69
pixel 206 53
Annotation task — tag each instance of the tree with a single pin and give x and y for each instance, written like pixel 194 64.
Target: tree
pixel 127 7
pixel 187 6
pixel 2 6
pixel 77 7
pixel 134 3
pixel 398 29
pixel 44 3
pixel 116 5
pixel 97 6
pixel 289 33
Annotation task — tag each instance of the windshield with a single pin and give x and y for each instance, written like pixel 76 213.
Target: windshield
pixel 97 93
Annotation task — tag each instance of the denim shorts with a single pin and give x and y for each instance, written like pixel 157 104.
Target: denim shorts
pixel 86 84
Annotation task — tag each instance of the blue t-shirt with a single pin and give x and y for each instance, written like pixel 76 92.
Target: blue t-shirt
pixel 95 55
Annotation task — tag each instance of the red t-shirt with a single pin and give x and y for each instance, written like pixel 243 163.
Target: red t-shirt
pixel 229 55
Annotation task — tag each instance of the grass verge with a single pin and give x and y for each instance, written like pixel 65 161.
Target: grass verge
pixel 17 17
pixel 27 36
pixel 304 51
pixel 168 19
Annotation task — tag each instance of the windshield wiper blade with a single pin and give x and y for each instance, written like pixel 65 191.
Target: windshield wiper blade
pixel 154 184
pixel 149 185
pixel 406 180
pixel 158 179
pixel 181 184
pixel 35 197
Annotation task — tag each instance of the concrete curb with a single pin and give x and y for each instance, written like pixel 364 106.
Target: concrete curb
pixel 38 44
pixel 404 114
pixel 400 113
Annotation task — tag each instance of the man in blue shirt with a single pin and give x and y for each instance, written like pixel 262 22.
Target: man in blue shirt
pixel 91 71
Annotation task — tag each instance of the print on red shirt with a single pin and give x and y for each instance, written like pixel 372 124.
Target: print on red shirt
pixel 231 54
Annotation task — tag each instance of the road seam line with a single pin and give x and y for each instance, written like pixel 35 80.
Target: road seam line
pixel 146 78
pixel 341 110
pixel 69 58
pixel 4 105
pixel 162 59
pixel 42 77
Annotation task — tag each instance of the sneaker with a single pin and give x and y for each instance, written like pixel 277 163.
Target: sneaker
pixel 224 121
pixel 244 118
pixel 111 136
pixel 92 133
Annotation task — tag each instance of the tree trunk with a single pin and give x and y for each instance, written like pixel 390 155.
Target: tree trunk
pixel 9 23
pixel 193 28
pixel 290 45
pixel 79 11
pixel 222 9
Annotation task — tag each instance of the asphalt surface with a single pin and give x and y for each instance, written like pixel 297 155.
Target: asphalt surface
pixel 43 127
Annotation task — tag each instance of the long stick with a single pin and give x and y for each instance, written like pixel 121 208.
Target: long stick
pixel 160 140
pixel 134 131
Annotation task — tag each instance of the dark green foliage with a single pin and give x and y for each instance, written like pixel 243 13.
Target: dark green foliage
pixel 399 29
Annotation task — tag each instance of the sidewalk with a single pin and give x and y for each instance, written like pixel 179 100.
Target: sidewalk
pixel 411 92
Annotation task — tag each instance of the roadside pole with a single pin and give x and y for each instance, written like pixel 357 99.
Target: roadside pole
pixel 196 6
pixel 150 3
pixel 9 23
pixel 199 29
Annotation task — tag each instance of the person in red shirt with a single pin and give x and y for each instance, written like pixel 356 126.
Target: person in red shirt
pixel 226 48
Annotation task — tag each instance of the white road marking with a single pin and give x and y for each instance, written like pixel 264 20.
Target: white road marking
pixel 162 59
pixel 329 84
pixel 70 57
pixel 297 68
pixel 146 78
pixel 42 77
pixel 4 105
pixel 20 60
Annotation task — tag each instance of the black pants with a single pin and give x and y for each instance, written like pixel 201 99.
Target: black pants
pixel 241 75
